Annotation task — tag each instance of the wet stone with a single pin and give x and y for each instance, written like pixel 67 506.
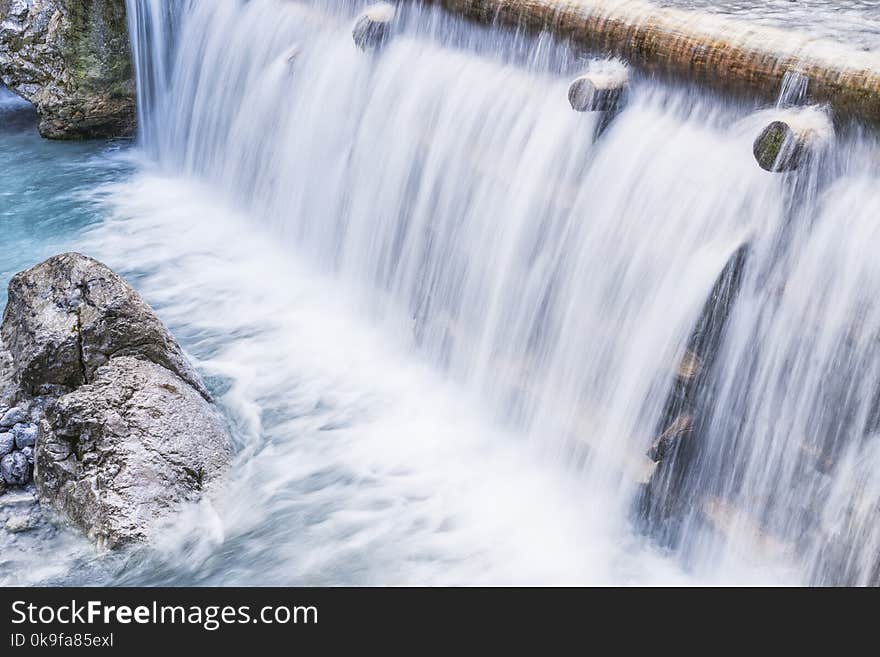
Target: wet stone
pixel 15 469
pixel 373 27
pixel 20 498
pixel 18 523
pixel 12 417
pixel 25 435
pixel 7 443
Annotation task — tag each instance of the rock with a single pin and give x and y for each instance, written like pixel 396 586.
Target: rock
pixel 14 469
pixel 670 438
pixel 57 450
pixel 291 55
pixel 38 407
pixel 19 501
pixel 25 532
pixel 69 315
pixel 8 387
pixel 7 443
pixel 602 88
pixel 672 491
pixel 689 367
pixel 25 435
pixel 373 27
pixel 776 148
pixel 127 448
pixel 122 430
pixel 18 523
pixel 72 60
pixel 12 417
pixel 783 145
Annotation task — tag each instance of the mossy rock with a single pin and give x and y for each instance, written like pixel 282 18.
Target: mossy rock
pixel 72 59
pixel 776 148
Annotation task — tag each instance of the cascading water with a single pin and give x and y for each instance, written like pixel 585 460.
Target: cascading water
pixel 445 322
pixel 789 464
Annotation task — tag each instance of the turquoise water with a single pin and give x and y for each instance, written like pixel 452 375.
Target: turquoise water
pixel 43 187
pixel 48 201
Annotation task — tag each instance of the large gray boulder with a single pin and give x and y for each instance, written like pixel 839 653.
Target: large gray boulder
pixel 117 454
pixel 72 60
pixel 69 315
pixel 124 429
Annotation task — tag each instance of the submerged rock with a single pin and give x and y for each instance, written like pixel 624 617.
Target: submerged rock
pixel 18 523
pixel 670 438
pixel 117 423
pixel 785 144
pixel 673 491
pixel 23 526
pixel 72 60
pixel 373 27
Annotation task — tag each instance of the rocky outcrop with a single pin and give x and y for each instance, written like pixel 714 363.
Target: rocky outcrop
pixel 70 315
pixel 72 60
pixel 116 454
pixel 102 406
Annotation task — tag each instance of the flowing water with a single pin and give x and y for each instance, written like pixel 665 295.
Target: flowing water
pixel 42 185
pixel 444 322
pixel 855 22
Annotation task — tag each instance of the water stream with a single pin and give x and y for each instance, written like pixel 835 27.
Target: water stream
pixel 444 323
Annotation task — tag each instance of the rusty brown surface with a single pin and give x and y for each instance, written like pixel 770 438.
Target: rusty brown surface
pixel 722 53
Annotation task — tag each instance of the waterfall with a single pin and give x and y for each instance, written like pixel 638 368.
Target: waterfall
pixel 553 280
pixel 152 27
